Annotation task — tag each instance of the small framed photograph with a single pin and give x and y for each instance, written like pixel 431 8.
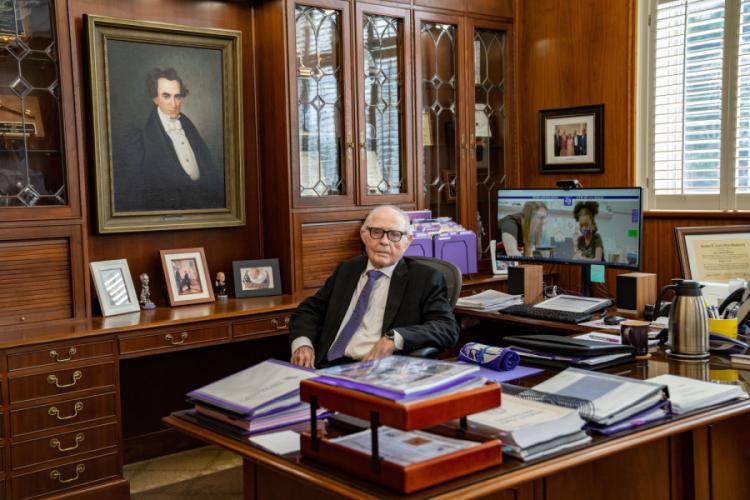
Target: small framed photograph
pixel 114 287
pixel 187 277
pixel 714 253
pixel 256 278
pixel 571 140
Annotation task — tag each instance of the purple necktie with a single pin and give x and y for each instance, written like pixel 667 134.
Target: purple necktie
pixel 339 346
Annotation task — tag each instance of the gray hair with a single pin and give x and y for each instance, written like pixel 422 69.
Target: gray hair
pixel 407 221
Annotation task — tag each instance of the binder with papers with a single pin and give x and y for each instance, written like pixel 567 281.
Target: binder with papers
pixel 610 398
pixel 257 399
pixel 553 350
pixel 399 377
pixel 687 394
pixel 533 429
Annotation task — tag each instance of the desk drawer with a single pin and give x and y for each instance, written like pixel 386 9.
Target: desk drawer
pixel 60 354
pixel 262 327
pixel 61 382
pixel 63 445
pixel 62 477
pixel 167 340
pixel 62 413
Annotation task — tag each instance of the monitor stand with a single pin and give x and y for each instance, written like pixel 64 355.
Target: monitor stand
pixel 586 280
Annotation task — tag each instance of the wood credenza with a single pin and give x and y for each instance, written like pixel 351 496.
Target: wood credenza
pixel 61 412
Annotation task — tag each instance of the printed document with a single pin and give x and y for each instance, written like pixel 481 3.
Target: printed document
pixel 404 448
pixel 687 394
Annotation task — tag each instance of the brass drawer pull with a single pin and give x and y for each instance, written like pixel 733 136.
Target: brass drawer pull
pixel 275 323
pixel 56 356
pixel 169 338
pixel 55 443
pixel 55 474
pixel 77 408
pixel 77 375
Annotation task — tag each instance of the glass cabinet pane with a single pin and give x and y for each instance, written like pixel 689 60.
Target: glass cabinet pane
pixel 319 101
pixel 489 133
pixel 439 123
pixel 383 104
pixel 32 172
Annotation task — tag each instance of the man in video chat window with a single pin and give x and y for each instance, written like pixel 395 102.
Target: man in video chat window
pixel 167 164
pixel 375 304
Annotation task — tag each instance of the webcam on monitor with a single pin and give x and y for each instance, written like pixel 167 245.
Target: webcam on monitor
pixel 569 184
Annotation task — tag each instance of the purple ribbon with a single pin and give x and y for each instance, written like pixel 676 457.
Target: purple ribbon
pixel 494 358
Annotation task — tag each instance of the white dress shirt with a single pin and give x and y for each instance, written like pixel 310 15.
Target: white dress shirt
pixel 181 145
pixel 369 331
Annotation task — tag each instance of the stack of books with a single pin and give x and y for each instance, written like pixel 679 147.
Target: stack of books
pixel 489 300
pixel 532 429
pixel 261 398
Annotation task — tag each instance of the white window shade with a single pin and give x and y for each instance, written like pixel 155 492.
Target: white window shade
pixel 687 97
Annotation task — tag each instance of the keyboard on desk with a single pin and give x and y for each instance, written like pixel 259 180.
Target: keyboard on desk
pixel 529 311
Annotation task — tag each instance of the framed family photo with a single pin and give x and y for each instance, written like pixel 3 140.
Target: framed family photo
pixel 713 253
pixel 114 287
pixel 256 278
pixel 167 125
pixel 571 140
pixel 186 275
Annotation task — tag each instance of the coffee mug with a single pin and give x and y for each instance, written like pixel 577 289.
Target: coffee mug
pixel 635 333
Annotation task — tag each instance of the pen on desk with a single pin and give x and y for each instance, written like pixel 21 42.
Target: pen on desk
pixel 605 339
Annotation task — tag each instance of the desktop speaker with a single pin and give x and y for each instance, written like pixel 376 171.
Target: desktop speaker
pixel 634 291
pixel 527 280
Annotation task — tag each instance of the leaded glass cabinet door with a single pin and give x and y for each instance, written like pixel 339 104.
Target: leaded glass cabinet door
pixel 441 137
pixel 32 166
pixel 489 154
pixel 322 139
pixel 384 116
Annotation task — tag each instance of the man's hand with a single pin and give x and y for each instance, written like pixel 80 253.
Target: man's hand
pixel 304 356
pixel 384 347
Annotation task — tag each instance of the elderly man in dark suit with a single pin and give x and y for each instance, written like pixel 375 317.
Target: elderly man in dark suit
pixel 167 164
pixel 374 305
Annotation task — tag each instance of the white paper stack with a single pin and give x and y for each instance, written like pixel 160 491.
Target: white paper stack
pixel 489 300
pixel 687 394
pixel 532 429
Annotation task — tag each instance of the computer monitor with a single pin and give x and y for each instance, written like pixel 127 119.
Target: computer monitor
pixel 575 226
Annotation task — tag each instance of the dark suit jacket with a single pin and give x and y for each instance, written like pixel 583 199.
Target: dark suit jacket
pixel 417 307
pixel 148 174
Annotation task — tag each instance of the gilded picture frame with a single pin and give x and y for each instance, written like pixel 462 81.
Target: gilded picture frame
pixel 114 287
pixel 166 111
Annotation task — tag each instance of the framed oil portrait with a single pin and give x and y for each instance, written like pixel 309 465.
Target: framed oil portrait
pixel 114 287
pixel 256 278
pixel 714 253
pixel 186 275
pixel 167 125
pixel 571 140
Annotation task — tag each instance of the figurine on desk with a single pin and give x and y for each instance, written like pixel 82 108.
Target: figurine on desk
pixel 221 287
pixel 145 297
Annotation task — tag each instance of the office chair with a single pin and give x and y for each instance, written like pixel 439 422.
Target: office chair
pixel 453 283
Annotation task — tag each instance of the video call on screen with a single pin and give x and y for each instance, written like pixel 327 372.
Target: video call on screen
pixel 618 223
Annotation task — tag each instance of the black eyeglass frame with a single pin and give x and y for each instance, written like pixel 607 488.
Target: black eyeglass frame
pixel 390 233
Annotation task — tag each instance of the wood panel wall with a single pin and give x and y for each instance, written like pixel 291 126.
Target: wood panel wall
pixel 577 53
pixel 222 246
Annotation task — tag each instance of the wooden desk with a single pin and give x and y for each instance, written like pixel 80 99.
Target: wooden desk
pixel 76 401
pixel 701 456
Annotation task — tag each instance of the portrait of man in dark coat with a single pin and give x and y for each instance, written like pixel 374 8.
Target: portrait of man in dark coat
pixel 166 165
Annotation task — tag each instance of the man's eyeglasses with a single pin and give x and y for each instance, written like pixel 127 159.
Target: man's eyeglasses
pixel 378 233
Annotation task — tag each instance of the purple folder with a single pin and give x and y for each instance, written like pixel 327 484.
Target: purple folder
pixel 421 246
pixel 458 248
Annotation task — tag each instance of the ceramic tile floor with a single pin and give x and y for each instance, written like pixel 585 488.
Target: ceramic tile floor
pixel 202 473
